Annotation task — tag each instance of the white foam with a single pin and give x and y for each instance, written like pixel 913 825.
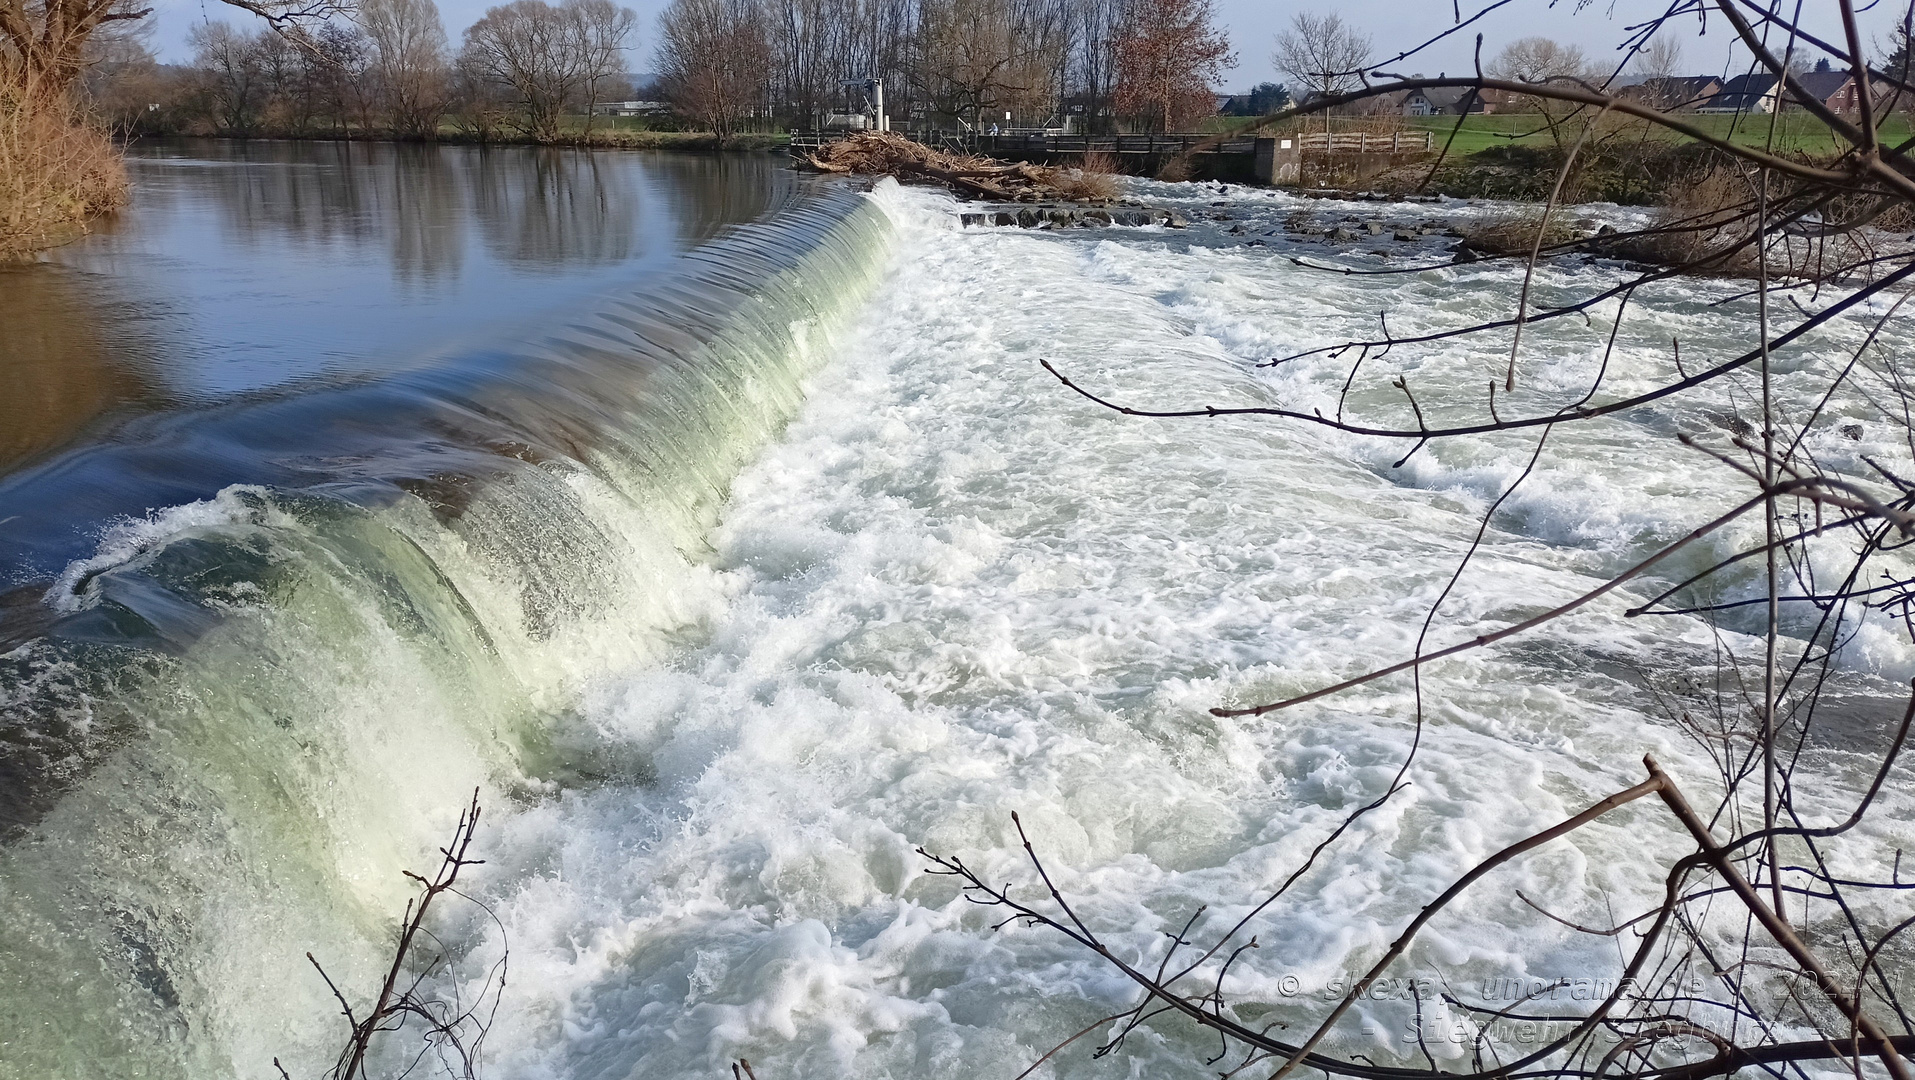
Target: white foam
pixel 128 541
pixel 960 590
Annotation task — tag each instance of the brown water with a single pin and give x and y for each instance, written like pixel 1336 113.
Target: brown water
pixel 247 268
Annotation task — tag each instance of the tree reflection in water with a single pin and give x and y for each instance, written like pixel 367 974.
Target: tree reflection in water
pixel 61 364
pixel 252 267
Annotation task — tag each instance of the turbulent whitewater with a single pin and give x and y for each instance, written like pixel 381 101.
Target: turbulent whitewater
pixel 842 572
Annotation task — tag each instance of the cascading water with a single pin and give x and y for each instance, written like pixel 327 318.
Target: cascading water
pixel 711 736
pixel 230 727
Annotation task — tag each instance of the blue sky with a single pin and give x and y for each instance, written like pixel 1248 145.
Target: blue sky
pixel 1254 24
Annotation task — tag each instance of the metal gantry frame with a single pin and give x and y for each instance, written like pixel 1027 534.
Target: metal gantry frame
pixel 874 95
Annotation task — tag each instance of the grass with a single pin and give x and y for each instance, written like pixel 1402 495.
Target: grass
pixel 1794 131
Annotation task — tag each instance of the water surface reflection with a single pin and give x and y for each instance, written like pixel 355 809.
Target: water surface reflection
pixel 250 268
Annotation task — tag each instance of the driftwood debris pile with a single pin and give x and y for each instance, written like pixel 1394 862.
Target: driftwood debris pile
pixel 884 153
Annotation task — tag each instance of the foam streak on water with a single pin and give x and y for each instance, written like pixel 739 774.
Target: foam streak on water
pixel 958 590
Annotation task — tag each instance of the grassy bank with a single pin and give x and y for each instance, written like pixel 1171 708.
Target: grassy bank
pixel 1793 131
pixel 612 133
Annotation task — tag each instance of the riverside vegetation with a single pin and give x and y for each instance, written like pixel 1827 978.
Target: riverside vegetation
pixel 56 172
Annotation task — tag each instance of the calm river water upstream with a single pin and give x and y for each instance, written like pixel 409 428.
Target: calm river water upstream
pixel 720 526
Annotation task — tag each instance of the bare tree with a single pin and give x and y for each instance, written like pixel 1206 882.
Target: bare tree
pixel 801 32
pixel 340 73
pixel 714 58
pixel 1170 56
pixel 1661 58
pixel 602 31
pixel 968 60
pixel 1100 24
pixel 229 61
pixel 1541 59
pixel 45 40
pixel 480 106
pixel 286 101
pixel 1322 53
pixel 124 79
pixel 409 55
pixel 1659 64
pixel 527 47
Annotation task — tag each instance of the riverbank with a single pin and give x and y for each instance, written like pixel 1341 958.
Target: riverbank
pixel 56 174
pixel 1632 174
pixel 631 139
pixel 615 138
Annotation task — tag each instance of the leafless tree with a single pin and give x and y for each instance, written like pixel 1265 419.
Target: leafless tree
pixel 1099 24
pixel 1324 54
pixel 409 55
pixel 229 61
pixel 1544 61
pixel 1659 65
pixel 1541 59
pixel 714 59
pixel 480 106
pixel 43 43
pixel 339 72
pixel 123 77
pixel 968 61
pixel 521 47
pixel 1661 58
pixel 603 32
pixel 548 57
pixel 801 32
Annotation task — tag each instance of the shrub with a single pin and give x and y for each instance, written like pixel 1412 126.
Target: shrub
pixel 56 172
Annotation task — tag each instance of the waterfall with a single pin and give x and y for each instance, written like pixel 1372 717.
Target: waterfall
pixel 232 724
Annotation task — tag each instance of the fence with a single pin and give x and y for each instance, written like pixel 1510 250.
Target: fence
pixel 1367 142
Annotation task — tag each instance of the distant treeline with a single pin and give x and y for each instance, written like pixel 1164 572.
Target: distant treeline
pixel 535 70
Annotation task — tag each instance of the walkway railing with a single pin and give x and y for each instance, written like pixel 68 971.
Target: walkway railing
pixel 1367 142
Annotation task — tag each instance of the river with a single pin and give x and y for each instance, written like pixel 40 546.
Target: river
pixel 721 528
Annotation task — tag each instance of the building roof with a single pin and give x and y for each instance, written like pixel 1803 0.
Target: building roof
pixel 1744 93
pixel 1450 98
pixel 1676 91
pixel 1823 85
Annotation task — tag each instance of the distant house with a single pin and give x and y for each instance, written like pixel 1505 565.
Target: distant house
pixel 632 108
pixel 1754 93
pixel 1833 89
pixel 1821 85
pixel 1676 93
pixel 1760 93
pixel 1445 101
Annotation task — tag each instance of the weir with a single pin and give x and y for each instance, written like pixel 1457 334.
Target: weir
pixel 1270 160
pixel 234 720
